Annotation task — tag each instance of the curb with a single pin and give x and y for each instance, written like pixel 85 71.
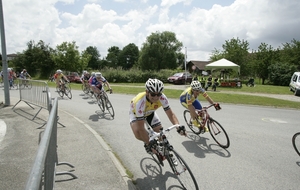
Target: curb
pixel 109 151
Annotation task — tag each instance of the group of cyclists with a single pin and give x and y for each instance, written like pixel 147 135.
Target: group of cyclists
pixel 12 75
pixel 95 81
pixel 143 106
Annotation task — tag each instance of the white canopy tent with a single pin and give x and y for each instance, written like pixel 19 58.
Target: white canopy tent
pixel 223 64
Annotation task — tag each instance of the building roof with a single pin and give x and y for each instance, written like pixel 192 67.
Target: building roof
pixel 200 64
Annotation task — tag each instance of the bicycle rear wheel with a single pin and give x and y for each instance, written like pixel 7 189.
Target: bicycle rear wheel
pixel 296 142
pixel 188 120
pixel 218 133
pixel 182 171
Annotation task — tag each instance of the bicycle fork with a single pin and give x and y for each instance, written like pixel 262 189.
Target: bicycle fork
pixel 213 127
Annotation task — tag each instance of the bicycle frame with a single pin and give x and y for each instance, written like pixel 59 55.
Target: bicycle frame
pixel 104 102
pixel 215 129
pixel 165 151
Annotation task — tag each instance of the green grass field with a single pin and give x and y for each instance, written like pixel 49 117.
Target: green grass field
pixel 221 96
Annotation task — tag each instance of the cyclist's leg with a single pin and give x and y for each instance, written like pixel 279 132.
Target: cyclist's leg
pixel 57 83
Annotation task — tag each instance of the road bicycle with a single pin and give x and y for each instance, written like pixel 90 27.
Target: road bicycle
pixel 296 142
pixel 104 102
pixel 23 83
pixel 216 130
pixel 86 88
pixel 64 89
pixel 165 151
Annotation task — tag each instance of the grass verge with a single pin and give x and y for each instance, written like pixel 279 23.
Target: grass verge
pixel 222 97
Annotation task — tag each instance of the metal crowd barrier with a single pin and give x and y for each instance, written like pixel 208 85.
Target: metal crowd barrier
pixel 34 92
pixel 42 175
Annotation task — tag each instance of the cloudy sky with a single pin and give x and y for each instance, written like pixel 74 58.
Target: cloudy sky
pixel 201 25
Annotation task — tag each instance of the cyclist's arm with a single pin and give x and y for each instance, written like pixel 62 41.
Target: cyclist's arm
pixel 172 117
pixel 106 82
pixel 65 78
pixel 205 95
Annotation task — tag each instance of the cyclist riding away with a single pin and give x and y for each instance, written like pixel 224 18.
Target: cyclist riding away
pixel 142 108
pixel 84 77
pixel 24 74
pixel 58 78
pixel 97 82
pixel 188 100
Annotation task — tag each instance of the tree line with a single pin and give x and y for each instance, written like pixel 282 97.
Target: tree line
pixel 161 50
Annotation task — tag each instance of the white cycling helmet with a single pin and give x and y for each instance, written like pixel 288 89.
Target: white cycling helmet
pixel 196 85
pixel 154 85
pixel 98 74
pixel 93 74
pixel 59 71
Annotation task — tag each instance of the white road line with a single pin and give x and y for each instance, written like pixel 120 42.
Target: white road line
pixel 2 129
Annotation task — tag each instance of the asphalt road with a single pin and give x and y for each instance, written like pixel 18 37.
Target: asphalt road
pixel 260 156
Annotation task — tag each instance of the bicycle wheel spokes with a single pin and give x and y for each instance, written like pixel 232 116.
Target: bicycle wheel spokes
pixel 68 92
pixel 29 85
pixel 187 118
pixel 85 88
pixel 218 133
pixel 183 173
pixel 100 103
pixel 109 107
pixel 296 142
pixel 59 91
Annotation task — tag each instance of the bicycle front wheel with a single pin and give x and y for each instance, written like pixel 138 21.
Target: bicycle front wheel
pixel 218 133
pixel 109 107
pixel 59 91
pixel 29 85
pixel 100 103
pixel 85 89
pixel 182 171
pixel 68 92
pixel 188 120
pixel 296 142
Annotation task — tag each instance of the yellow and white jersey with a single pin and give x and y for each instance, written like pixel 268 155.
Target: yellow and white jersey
pixel 141 107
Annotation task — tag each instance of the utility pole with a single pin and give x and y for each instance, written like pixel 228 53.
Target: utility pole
pixel 4 58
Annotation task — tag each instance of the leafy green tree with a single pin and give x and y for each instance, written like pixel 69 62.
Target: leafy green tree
pixel 35 59
pixel 236 50
pixel 67 57
pixel 264 57
pixel 290 53
pixel 113 56
pixel 216 55
pixel 94 62
pixel 280 73
pixel 128 56
pixel 160 51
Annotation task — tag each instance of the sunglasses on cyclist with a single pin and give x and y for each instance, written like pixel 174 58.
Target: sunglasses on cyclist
pixel 154 94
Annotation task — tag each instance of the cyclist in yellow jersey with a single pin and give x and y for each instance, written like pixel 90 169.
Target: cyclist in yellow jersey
pixel 142 108
pixel 188 99
pixel 58 76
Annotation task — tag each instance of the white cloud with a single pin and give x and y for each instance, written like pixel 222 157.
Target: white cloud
pixel 104 23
